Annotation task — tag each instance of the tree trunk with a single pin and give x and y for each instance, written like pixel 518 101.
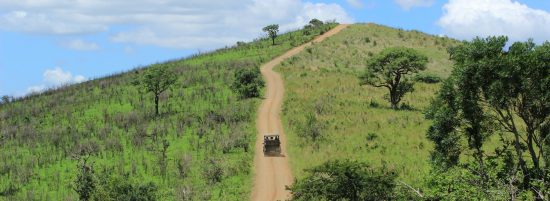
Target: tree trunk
pixel 393 99
pixel 157 104
pixel 273 39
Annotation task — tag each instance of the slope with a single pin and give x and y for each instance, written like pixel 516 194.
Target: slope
pixel 355 121
pixel 272 174
pixel 197 149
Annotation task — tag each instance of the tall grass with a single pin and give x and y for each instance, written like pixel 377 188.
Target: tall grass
pixel 358 122
pixel 209 131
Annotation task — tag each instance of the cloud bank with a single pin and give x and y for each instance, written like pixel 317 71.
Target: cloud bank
pixel 466 19
pixel 188 24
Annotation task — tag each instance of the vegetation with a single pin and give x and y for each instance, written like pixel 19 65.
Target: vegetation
pixel 157 80
pixel 356 122
pixel 390 69
pixel 197 148
pixel 493 93
pixel 345 180
pixel 272 31
pixel 248 82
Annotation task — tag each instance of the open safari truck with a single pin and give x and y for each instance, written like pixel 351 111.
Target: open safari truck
pixel 272 144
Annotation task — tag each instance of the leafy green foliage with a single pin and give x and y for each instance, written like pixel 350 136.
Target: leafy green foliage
pixel 427 78
pixel 157 80
pixel 121 189
pixel 85 182
pixel 345 180
pixel 390 69
pixel 315 23
pixel 497 92
pixel 272 31
pixel 248 82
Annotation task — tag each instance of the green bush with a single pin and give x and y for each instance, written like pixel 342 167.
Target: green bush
pixel 345 180
pixel 248 82
pixel 427 78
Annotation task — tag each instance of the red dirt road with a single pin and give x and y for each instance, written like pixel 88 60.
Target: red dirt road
pixel 272 174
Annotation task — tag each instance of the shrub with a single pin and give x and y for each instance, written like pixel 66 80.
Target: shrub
pixel 427 78
pixel 213 171
pixel 248 82
pixel 345 180
pixel 311 128
pixel 85 183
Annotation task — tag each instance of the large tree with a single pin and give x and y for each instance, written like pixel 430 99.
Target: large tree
pixel 157 80
pixel 391 68
pixel 492 91
pixel 272 31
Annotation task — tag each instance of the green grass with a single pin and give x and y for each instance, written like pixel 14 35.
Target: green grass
pixel 357 121
pixel 110 121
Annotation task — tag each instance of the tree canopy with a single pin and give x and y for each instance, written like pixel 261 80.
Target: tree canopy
pixel 345 180
pixel 493 91
pixel 272 31
pixel 157 80
pixel 391 68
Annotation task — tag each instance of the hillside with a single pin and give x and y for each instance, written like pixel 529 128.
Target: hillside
pixel 356 122
pixel 199 148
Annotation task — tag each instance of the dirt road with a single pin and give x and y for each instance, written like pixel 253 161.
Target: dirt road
pixel 272 174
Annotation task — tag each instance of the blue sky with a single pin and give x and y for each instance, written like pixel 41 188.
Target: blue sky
pixel 45 43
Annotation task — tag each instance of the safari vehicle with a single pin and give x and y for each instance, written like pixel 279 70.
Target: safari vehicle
pixel 272 145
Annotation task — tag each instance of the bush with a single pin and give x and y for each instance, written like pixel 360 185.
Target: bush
pixel 427 78
pixel 122 189
pixel 311 128
pixel 345 180
pixel 248 82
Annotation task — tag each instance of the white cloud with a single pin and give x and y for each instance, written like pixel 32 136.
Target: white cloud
pixel 168 23
pixel 55 77
pixel 466 19
pixel 355 3
pixel 43 23
pixel 58 77
pixel 408 4
pixel 80 45
pixel 36 89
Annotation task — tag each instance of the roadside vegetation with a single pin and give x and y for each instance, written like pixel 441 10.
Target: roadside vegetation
pixel 478 133
pixel 491 123
pixel 328 115
pixel 105 139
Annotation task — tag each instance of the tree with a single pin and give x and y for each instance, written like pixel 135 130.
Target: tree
pixel 248 82
pixel 6 99
pixel 390 69
pixel 493 91
pixel 315 23
pixel 85 183
pixel 272 31
pixel 157 80
pixel 345 180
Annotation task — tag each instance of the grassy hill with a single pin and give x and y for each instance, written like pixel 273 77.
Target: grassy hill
pixel 199 148
pixel 356 121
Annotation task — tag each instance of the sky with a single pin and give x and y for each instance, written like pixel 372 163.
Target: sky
pixel 48 43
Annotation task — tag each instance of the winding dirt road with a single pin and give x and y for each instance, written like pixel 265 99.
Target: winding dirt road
pixel 272 174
